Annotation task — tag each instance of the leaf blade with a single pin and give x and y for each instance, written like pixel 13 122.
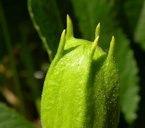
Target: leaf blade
pixel 43 14
pixel 132 11
pixel 129 90
pixel 9 118
pixel 140 29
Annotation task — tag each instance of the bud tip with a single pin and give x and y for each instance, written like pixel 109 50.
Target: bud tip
pixel 112 46
pixel 97 31
pixel 69 32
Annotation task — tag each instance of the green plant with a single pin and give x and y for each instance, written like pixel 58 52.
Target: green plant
pixel 24 62
pixel 81 88
pixel 88 13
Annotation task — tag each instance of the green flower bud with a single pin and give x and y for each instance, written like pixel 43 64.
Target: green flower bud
pixel 81 89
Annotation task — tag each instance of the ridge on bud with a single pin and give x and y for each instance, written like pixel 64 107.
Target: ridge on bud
pixel 95 44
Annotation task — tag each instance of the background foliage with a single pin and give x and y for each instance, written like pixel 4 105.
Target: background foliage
pixel 30 30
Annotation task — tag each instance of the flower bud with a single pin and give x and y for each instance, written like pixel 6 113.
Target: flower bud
pixel 81 89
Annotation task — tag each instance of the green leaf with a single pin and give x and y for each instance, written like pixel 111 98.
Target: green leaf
pixel 140 29
pixel 132 9
pixel 129 89
pixel 10 119
pixel 92 14
pixel 47 21
pixel 101 11
pixel 133 13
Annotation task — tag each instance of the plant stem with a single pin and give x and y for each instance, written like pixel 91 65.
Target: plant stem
pixel 8 41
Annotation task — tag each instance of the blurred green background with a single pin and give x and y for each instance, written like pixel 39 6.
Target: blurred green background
pixel 27 36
